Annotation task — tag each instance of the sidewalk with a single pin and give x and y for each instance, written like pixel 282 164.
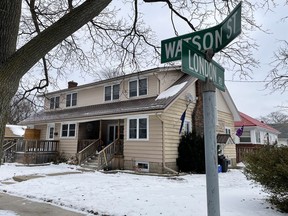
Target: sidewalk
pixel 25 207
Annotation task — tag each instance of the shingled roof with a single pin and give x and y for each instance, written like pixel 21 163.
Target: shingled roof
pixel 106 109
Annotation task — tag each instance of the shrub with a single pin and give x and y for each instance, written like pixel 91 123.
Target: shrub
pixel 269 167
pixel 191 153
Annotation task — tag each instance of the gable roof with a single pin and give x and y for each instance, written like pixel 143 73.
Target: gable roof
pixel 224 139
pixel 283 128
pixel 112 108
pixel 249 121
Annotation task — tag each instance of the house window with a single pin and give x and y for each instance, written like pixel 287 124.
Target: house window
pixel 245 138
pixel 54 102
pixel 68 130
pixel 257 134
pixel 228 131
pixel 71 99
pixel 112 92
pixel 142 166
pixel 138 87
pixel 187 126
pixel 138 128
pixel 50 131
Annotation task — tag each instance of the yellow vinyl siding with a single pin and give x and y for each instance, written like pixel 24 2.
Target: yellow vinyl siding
pixel 90 96
pixel 150 150
pixel 172 124
pixel 230 151
pixel 226 120
pixel 68 146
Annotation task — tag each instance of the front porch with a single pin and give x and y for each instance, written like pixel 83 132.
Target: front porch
pixel 30 151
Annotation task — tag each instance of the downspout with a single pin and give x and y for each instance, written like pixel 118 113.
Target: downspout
pixel 163 149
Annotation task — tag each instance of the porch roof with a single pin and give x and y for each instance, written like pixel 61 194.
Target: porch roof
pixel 101 110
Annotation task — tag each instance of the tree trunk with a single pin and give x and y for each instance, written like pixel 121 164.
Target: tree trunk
pixel 14 65
pixel 10 12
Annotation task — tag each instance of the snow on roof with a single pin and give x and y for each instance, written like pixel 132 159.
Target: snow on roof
pixel 171 91
pixel 18 130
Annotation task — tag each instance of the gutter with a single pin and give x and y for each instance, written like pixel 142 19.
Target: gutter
pixel 163 149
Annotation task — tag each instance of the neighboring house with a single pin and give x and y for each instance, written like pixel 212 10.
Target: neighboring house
pixel 283 136
pixel 255 134
pixel 132 120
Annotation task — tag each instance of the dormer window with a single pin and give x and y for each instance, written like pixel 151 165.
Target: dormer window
pixel 71 99
pixel 112 92
pixel 138 87
pixel 54 102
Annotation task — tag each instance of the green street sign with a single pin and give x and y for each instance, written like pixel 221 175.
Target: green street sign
pixel 215 38
pixel 195 64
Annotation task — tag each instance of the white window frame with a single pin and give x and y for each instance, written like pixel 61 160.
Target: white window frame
pixel 68 130
pixel 142 169
pixel 137 128
pixel 71 97
pixel 138 87
pixel 54 103
pixel 187 122
pixel 228 129
pixel 49 126
pixel 111 93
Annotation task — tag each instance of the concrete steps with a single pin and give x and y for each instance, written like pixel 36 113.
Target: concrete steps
pixel 91 162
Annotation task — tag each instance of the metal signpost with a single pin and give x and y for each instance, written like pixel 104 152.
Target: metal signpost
pixel 215 38
pixel 190 48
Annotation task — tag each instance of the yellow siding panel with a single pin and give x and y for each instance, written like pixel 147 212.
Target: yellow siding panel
pixel 146 150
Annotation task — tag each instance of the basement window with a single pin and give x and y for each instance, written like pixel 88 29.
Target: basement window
pixel 142 166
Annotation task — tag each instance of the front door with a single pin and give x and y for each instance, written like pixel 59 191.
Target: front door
pixel 50 131
pixel 113 132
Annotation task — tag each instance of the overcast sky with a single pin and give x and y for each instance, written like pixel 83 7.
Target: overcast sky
pixel 250 96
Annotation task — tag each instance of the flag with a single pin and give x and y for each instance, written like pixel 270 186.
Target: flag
pixel 182 118
pixel 239 131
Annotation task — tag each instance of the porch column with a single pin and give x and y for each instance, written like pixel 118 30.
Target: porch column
pixel 100 130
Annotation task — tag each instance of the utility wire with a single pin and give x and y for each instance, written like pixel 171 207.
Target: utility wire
pixel 249 81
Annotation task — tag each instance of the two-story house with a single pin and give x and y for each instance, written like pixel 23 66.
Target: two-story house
pixel 131 121
pixel 255 135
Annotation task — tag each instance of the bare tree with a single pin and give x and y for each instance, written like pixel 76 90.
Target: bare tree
pixel 41 38
pixel 275 118
pixel 21 109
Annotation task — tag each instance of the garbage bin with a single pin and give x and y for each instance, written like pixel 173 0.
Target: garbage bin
pixel 224 165
pixel 223 162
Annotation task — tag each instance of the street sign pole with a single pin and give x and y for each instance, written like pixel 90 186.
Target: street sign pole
pixel 211 157
pixel 215 39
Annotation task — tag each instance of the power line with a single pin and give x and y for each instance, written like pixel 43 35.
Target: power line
pixel 249 81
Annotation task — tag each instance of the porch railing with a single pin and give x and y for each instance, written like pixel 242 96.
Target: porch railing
pixel 84 143
pixel 107 154
pixel 37 146
pixel 9 149
pixel 88 150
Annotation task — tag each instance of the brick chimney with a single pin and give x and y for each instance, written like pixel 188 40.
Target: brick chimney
pixel 197 115
pixel 72 84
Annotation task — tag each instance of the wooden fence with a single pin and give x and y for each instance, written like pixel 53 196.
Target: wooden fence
pixel 243 149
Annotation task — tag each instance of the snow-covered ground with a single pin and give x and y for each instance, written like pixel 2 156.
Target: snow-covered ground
pixel 132 195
